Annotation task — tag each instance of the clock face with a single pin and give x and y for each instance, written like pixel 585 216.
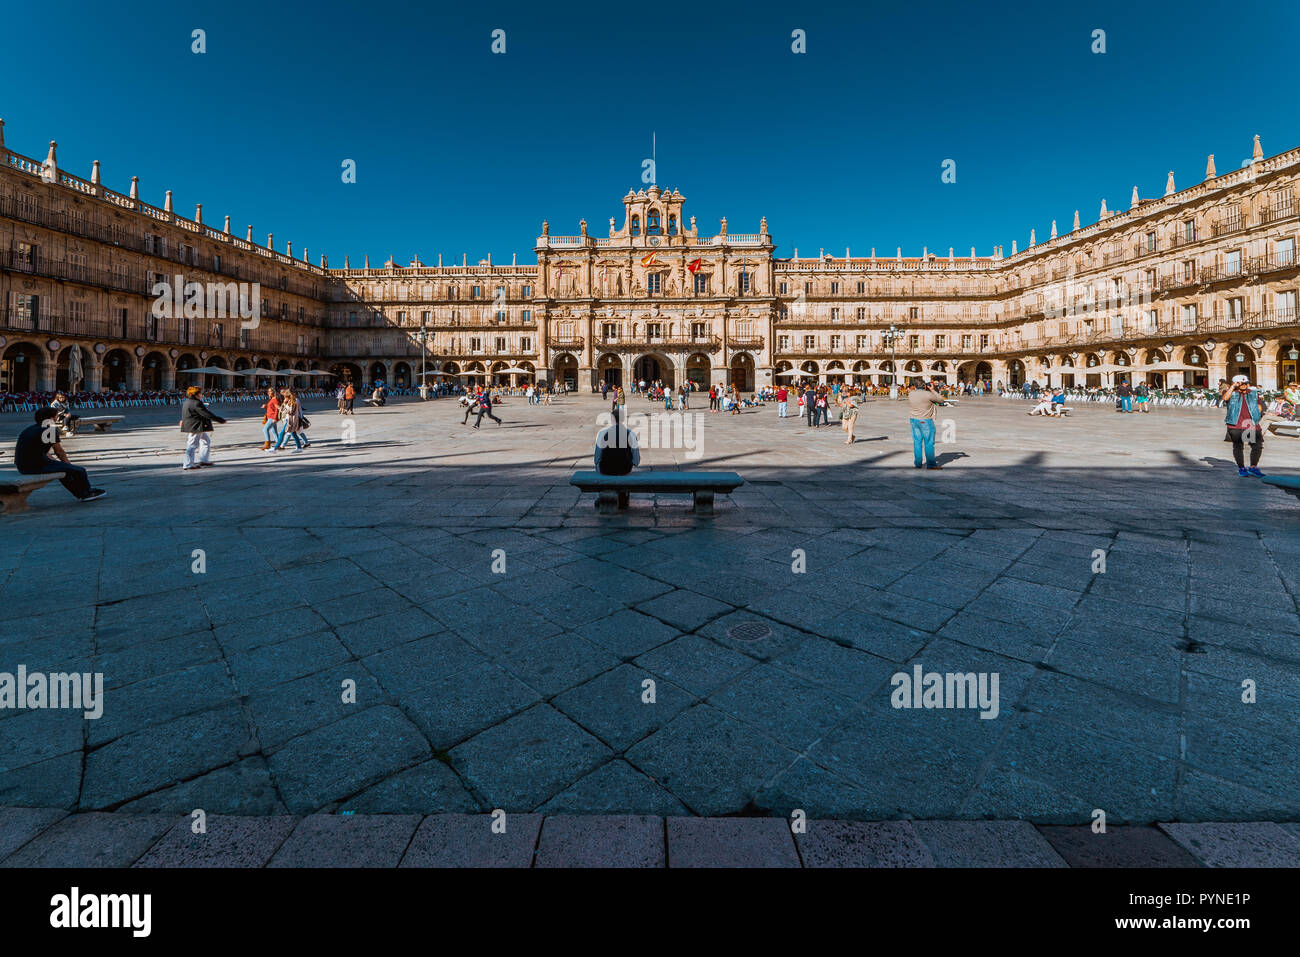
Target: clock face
pixel 654 240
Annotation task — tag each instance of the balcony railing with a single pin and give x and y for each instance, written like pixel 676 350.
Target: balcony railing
pixel 641 340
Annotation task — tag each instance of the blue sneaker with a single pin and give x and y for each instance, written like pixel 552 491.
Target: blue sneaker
pixel 1243 473
pixel 1255 472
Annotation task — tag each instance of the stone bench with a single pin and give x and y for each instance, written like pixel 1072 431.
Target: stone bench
pixel 1291 429
pixel 613 490
pixel 1287 483
pixel 102 423
pixel 15 487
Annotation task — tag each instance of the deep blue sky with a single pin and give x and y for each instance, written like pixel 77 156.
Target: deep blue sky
pixel 459 150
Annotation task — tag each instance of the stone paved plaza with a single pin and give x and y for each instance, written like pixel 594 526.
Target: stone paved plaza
pixel 369 558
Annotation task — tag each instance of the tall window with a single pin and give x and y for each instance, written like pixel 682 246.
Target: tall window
pixel 1284 252
pixel 1286 305
pixel 654 283
pixel 1189 316
pixel 701 282
pixel 1232 262
pixel 742 283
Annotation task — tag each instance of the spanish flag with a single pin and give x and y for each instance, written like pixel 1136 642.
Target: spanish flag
pixel 649 260
pixel 693 265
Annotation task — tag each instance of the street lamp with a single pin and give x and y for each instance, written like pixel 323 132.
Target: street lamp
pixel 891 338
pixel 422 337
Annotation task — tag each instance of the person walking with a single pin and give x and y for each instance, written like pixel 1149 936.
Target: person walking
pixel 338 394
pixel 270 419
pixel 848 417
pixel 1124 392
pixel 921 401
pixel 782 398
pixel 485 408
pixel 290 421
pixel 197 422
pixel 1142 395
pixel 1243 421
pixel 349 398
pixel 32 456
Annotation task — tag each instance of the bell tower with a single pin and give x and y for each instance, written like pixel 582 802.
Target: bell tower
pixel 652 218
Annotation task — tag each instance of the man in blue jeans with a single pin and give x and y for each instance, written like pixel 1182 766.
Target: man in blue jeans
pixel 32 457
pixel 920 403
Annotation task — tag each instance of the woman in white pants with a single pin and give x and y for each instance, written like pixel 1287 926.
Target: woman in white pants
pixel 197 422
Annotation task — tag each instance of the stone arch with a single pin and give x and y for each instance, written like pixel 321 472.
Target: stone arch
pixel 21 367
pixel 741 372
pixel 154 369
pixel 609 369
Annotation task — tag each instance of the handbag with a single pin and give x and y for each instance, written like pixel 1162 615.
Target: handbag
pixel 303 423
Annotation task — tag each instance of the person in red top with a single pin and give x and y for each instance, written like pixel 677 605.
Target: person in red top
pixel 782 396
pixel 271 411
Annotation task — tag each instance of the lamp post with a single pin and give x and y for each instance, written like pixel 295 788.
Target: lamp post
pixel 891 337
pixel 422 337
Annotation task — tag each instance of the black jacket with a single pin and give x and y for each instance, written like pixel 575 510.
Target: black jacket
pixel 197 417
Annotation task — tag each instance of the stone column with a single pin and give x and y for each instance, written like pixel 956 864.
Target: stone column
pixel 169 376
pixel 94 370
pixel 46 373
pixel 1266 362
pixel 133 374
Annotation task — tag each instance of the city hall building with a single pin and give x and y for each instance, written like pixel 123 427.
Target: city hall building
pixel 1181 289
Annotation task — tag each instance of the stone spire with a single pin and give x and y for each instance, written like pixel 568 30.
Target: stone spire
pixel 249 237
pixel 367 266
pixel 1104 211
pixel 1133 203
pixel 1209 168
pixel 50 168
pixel 227 224
pixel 972 252
pixel 347 261
pixel 1258 152
pixel 950 255
pixel 288 247
pixel 900 254
pixel 1169 184
pixel 1014 250
pixel 167 202
pixel 1031 237
pixel 1076 220
pixel 94 178
pixel 324 261
pixel 198 213
pixel 305 257
pixel 270 240
pixel 1053 229
pixel 135 189
pixel 2 134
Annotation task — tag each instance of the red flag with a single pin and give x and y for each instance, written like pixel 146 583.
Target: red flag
pixel 693 265
pixel 649 260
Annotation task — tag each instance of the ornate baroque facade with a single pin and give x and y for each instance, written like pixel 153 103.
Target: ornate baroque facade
pixel 1183 289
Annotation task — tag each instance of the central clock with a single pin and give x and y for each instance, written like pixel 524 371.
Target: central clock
pixel 654 240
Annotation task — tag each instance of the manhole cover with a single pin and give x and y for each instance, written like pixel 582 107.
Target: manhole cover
pixel 749 631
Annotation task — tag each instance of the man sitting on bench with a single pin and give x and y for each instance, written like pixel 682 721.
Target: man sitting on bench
pixel 32 456
pixel 617 452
